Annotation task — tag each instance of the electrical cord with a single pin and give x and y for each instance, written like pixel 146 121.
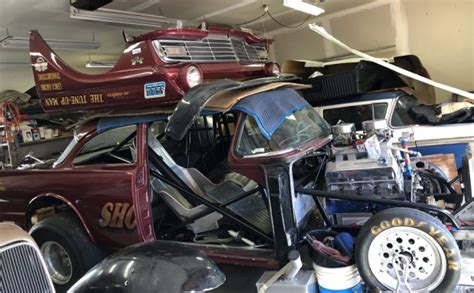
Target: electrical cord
pixel 257 18
pixel 288 26
pixel 266 11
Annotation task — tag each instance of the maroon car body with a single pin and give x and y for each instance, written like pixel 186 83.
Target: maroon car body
pixel 113 200
pixel 156 61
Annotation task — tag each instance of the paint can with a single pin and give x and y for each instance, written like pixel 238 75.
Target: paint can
pixel 344 279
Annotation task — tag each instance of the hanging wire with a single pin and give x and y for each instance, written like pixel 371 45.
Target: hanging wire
pixel 267 12
pixel 288 26
pixel 255 19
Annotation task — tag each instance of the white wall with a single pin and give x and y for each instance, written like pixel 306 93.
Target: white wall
pixel 439 32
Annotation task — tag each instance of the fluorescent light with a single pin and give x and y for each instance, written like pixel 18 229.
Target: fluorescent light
pixel 303 7
pixel 24 43
pixel 121 17
pixel 94 64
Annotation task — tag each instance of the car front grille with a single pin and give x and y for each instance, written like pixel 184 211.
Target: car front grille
pixel 22 270
pixel 212 49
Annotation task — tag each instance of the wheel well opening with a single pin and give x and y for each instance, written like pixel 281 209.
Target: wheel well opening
pixel 42 208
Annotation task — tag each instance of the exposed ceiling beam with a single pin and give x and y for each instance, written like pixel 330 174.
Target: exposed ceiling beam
pixel 226 10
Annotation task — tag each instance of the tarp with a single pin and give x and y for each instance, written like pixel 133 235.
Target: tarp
pixel 270 108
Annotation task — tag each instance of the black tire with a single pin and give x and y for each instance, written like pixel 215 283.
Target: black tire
pixel 406 217
pixel 66 230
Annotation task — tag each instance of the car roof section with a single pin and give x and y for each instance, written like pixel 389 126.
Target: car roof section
pixel 220 95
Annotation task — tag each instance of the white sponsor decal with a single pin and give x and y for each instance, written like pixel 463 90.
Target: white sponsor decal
pixel 40 65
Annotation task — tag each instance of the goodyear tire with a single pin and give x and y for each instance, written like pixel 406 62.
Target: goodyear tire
pixel 412 244
pixel 67 250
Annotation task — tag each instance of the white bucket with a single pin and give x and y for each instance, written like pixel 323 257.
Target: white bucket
pixel 341 280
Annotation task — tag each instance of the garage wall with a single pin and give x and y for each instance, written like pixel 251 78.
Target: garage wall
pixel 439 32
pixel 20 77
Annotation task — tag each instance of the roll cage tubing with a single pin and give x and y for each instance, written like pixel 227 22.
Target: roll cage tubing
pixel 178 184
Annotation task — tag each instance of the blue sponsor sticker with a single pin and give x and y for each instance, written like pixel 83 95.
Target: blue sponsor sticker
pixel 155 90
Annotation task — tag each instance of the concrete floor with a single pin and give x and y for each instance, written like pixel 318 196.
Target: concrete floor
pixel 239 279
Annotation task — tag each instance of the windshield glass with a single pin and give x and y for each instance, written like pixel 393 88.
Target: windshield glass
pixel 296 130
pixel 65 153
pixel 356 114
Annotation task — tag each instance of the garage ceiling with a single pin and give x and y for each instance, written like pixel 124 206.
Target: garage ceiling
pixel 51 18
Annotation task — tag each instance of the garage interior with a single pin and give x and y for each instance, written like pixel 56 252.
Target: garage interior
pixel 237 146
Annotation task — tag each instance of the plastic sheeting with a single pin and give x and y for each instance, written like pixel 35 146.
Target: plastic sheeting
pixel 269 109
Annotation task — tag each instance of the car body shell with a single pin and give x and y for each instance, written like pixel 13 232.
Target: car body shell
pixel 427 139
pixel 142 76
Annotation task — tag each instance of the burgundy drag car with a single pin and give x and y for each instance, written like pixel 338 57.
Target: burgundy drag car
pixel 156 68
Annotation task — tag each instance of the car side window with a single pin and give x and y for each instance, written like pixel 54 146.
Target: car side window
pixel 401 115
pixel 356 114
pixel 115 146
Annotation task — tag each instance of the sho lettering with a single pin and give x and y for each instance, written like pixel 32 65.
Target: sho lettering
pixel 130 222
pixel 118 215
pixel 106 214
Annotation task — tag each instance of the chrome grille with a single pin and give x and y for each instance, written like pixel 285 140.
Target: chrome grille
pixel 211 49
pixel 22 270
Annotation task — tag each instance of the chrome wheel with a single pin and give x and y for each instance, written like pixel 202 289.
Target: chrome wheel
pixel 57 261
pixel 407 258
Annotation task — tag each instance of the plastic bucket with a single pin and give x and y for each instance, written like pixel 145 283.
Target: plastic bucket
pixel 341 280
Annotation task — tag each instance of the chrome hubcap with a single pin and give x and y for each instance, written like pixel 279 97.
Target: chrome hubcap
pixel 57 261
pixel 408 258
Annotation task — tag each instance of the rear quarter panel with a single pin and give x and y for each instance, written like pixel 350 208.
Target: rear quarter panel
pixel 102 195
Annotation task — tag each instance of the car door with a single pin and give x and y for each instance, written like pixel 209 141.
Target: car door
pixel 102 180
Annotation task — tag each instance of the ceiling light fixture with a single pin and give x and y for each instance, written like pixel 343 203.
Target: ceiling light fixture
pixel 121 17
pixel 95 64
pixel 24 43
pixel 303 7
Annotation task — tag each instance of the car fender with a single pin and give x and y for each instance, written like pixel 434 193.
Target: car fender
pixel 156 266
pixel 37 199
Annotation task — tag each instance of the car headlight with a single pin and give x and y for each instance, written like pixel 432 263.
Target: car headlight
pixel 276 69
pixel 193 76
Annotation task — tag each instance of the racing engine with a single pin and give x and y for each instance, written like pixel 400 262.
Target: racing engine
pixel 366 164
